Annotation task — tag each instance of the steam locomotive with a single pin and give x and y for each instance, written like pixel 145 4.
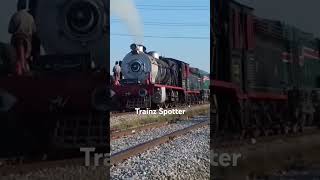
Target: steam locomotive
pixel 265 73
pixel 154 81
pixel 62 104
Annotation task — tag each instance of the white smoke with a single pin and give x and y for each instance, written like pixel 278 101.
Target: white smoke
pixel 128 13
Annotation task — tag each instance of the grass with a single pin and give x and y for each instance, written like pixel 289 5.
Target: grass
pixel 149 119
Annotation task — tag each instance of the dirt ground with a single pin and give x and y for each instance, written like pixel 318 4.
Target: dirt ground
pixel 135 119
pixel 271 157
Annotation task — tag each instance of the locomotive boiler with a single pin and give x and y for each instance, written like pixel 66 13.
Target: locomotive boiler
pixel 152 80
pixel 61 104
pixel 147 66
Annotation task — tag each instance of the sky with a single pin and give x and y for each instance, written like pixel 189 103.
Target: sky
pixel 180 29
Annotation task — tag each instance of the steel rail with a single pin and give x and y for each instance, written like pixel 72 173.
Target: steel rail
pixel 135 150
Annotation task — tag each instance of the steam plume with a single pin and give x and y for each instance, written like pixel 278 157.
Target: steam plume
pixel 128 13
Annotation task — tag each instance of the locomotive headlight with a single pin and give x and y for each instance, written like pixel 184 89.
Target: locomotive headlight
pixel 143 92
pixel 135 67
pixel 82 17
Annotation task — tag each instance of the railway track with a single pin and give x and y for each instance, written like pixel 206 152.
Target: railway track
pixel 265 155
pixel 228 144
pixel 119 134
pixel 16 166
pixel 140 148
pixel 172 156
pixel 132 151
pixel 124 121
pixel 118 113
pixel 23 168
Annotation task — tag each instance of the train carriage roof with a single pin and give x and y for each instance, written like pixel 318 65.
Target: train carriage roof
pixel 199 71
pixel 273 28
pixel 172 59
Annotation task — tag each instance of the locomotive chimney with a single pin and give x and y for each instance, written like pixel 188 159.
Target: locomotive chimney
pixel 134 48
pixel 138 48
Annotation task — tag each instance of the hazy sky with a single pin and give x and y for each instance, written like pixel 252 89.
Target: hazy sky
pixel 171 27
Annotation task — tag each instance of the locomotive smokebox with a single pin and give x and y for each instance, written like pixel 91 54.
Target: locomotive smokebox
pixel 73 27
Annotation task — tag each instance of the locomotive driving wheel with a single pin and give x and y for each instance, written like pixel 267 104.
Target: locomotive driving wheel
pixel 228 118
pixel 166 105
pixel 267 120
pixel 254 121
pixel 163 105
pixel 214 113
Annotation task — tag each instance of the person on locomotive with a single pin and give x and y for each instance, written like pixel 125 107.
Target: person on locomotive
pixel 121 75
pixel 22 27
pixel 116 72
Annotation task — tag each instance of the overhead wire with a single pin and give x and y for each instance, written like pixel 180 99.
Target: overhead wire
pixel 163 37
pixel 172 24
pixel 176 7
pixel 179 6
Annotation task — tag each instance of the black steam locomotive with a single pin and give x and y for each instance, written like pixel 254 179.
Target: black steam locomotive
pixel 151 80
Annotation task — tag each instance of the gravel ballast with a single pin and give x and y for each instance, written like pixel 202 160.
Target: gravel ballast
pixel 186 157
pixel 63 173
pixel 150 134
